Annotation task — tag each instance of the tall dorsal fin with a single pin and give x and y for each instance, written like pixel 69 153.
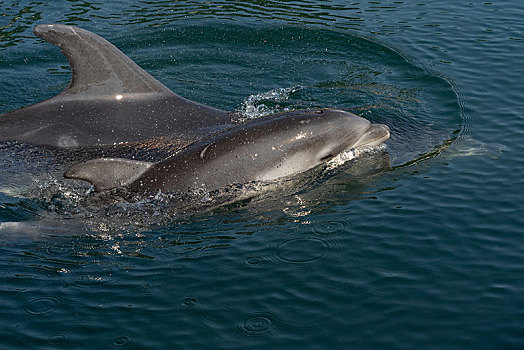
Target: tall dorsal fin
pixel 98 67
pixel 106 173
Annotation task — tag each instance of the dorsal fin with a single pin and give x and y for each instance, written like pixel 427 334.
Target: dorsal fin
pixel 98 67
pixel 106 173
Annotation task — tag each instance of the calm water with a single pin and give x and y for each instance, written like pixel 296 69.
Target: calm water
pixel 417 248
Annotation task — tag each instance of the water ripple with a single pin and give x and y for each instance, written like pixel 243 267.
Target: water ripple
pixel 121 340
pixel 41 306
pixel 304 301
pixel 152 288
pixel 223 319
pixel 253 261
pixel 260 324
pixel 188 303
pixel 304 250
pixel 331 227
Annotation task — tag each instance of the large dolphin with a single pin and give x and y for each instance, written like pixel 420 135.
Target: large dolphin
pixel 264 149
pixel 110 100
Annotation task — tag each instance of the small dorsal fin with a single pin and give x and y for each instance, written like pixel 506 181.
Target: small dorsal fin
pixel 106 173
pixel 98 67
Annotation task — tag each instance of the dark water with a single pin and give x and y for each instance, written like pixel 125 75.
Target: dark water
pixel 425 254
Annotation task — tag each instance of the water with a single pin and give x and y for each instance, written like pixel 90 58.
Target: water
pixel 423 254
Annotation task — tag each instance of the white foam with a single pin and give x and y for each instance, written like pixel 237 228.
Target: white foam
pixel 351 154
pixel 253 107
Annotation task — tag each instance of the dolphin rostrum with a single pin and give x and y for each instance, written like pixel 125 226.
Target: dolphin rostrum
pixel 110 100
pixel 264 149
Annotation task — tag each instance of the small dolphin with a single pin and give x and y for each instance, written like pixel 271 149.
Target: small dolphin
pixel 264 149
pixel 110 100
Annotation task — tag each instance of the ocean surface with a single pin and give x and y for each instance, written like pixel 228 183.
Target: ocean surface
pixel 420 245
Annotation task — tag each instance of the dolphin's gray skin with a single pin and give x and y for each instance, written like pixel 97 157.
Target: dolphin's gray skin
pixel 262 150
pixel 110 100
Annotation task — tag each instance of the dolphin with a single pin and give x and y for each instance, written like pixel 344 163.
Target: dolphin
pixel 110 100
pixel 263 149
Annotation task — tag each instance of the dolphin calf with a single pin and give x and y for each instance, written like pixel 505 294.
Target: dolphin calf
pixel 264 149
pixel 110 100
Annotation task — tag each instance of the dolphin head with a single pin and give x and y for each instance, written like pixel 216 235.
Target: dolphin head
pixel 339 130
pixel 316 136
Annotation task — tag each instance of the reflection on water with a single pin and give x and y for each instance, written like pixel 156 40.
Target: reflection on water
pixel 16 20
pixel 162 12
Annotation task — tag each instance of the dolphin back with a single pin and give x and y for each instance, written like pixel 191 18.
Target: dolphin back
pixel 110 100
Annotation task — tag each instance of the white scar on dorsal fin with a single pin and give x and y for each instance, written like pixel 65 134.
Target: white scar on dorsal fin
pixel 107 173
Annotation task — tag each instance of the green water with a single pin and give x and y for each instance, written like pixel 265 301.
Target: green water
pixel 423 253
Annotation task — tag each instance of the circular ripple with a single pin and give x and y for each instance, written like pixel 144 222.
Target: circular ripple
pixel 253 261
pixel 259 323
pixel 187 303
pixel 332 227
pixel 302 250
pixel 41 306
pixel 121 340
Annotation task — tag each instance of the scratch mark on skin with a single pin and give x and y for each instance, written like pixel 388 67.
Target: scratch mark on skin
pixel 203 153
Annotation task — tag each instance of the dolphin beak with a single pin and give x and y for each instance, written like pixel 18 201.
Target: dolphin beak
pixel 374 136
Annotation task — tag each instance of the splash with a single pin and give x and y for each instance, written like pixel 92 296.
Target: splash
pixel 266 103
pixel 353 153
